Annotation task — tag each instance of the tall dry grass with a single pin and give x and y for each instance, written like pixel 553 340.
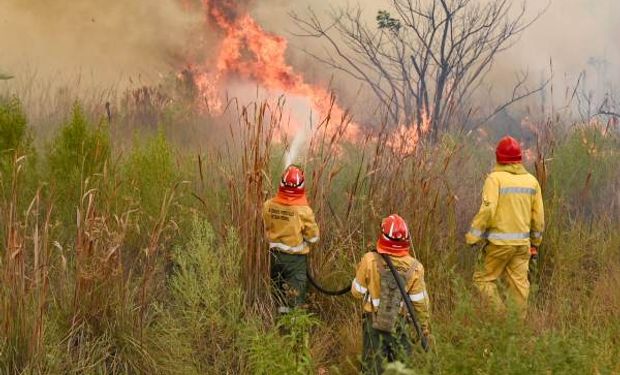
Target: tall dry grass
pixel 158 265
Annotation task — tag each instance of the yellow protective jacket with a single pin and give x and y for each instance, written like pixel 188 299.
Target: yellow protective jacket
pixel 367 284
pixel 289 228
pixel 512 209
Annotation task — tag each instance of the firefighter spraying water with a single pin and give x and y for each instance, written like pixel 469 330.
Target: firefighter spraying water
pixel 290 228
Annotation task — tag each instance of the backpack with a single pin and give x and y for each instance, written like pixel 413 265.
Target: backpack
pixel 391 300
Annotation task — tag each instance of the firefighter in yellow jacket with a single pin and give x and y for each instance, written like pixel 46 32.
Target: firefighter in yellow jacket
pixel 510 221
pixel 290 227
pixel 385 328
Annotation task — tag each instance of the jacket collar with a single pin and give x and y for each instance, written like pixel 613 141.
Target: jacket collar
pixel 291 199
pixel 516 168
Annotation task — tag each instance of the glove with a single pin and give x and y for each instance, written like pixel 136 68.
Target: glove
pixel 533 265
pixel 533 253
pixel 430 339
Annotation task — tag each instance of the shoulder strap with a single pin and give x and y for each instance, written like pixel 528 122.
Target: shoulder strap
pixel 378 258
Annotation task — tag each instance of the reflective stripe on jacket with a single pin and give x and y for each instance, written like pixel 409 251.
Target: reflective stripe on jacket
pixel 511 212
pixel 289 228
pixel 367 284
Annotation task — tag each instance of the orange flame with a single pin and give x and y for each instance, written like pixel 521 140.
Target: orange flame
pixel 248 51
pixel 405 138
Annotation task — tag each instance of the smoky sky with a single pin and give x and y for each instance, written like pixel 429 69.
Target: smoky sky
pixel 569 38
pixel 113 38
pixel 107 39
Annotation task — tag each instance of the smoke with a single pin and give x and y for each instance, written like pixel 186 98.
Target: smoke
pixel 106 39
pixel 298 120
pixel 113 39
pixel 576 35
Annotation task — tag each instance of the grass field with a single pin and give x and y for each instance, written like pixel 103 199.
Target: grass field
pixel 133 243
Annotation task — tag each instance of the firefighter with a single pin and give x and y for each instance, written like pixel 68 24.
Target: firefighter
pixel 510 223
pixel 386 335
pixel 290 227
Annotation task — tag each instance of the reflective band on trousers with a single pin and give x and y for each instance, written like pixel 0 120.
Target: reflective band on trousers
pixel 517 190
pixel 537 234
pixel 281 246
pixel 501 236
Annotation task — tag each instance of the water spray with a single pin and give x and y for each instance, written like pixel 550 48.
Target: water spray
pixel 299 146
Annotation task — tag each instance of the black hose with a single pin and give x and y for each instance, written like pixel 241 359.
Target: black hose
pixel 325 291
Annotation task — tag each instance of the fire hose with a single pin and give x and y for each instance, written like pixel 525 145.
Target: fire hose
pixel 401 288
pixel 316 285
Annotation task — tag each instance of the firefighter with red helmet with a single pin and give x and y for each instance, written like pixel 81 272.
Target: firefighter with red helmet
pixel 510 222
pixel 290 227
pixel 386 336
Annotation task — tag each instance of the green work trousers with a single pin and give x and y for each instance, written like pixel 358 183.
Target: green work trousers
pixel 288 275
pixel 380 347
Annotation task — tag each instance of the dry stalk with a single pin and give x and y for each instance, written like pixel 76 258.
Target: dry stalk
pixel 24 271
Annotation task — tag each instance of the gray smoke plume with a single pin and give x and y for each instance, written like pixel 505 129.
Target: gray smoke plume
pixel 118 38
pixel 578 38
pixel 107 39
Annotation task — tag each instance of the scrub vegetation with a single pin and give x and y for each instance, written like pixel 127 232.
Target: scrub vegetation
pixel 127 249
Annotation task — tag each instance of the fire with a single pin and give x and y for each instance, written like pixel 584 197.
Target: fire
pixel 249 52
pixel 405 138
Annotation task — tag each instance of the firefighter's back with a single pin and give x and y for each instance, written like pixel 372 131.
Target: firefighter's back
pixel 512 210
pixel 513 216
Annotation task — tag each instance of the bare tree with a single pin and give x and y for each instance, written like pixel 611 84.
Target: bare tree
pixel 424 62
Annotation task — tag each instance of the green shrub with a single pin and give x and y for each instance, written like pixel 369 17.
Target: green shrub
pixel 283 350
pixel 473 341
pixel 206 302
pixel 150 172
pixel 585 168
pixel 13 127
pixel 78 153
pixel 16 142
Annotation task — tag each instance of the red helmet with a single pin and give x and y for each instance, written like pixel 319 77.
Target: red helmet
pixel 508 151
pixel 394 237
pixel 292 182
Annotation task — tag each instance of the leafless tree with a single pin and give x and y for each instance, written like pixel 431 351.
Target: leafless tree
pixel 423 59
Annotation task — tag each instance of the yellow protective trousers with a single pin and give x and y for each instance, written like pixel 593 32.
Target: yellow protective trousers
pixel 510 262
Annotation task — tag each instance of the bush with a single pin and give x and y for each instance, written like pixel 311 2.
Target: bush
pixel 585 168
pixel 78 154
pixel 14 134
pixel 16 142
pixel 284 350
pixel 150 172
pixel 206 301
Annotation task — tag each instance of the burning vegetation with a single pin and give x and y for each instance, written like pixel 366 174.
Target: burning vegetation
pixel 247 52
pixel 131 219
